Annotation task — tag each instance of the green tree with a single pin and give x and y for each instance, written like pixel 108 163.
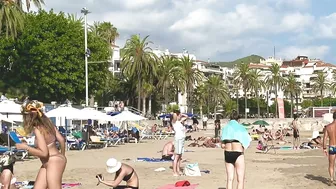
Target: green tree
pixel 306 104
pixel 190 76
pixel 229 106
pixel 320 85
pixel 218 90
pixel 37 3
pixel 291 88
pixel 11 18
pixel 242 75
pixel 167 70
pixel 277 82
pixel 137 60
pixel 54 69
pixel 256 84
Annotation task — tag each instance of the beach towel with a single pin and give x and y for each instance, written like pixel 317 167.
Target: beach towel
pixel 25 185
pixel 235 131
pixel 172 186
pixel 153 160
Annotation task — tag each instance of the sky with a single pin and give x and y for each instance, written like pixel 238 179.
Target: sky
pixel 221 30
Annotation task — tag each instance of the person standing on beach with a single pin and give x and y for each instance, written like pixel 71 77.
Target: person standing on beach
pixel 217 128
pixel 180 131
pixel 330 133
pixel 296 134
pixel 46 136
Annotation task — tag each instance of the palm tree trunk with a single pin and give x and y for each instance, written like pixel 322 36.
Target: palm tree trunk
pixel 258 104
pixel 267 107
pixel 150 105
pixel 245 94
pixel 321 98
pixel 292 105
pixel 201 111
pixel 139 92
pixel 237 102
pixel 144 105
pixel 215 112
pixel 276 102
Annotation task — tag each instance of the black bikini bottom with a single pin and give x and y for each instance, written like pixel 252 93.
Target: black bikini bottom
pixel 123 187
pixel 232 156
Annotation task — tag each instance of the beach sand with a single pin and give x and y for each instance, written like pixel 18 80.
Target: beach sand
pixel 289 168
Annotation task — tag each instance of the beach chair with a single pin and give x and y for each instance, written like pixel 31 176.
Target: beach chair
pixel 146 134
pixel 96 140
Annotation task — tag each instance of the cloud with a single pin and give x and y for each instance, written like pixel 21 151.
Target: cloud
pixel 327 27
pixel 216 29
pixel 310 51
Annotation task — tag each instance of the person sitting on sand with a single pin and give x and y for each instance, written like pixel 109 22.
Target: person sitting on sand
pixel 168 151
pixel 123 172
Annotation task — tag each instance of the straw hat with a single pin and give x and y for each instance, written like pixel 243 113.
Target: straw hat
pixel 112 165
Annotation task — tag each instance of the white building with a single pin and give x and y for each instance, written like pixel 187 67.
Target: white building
pixel 115 60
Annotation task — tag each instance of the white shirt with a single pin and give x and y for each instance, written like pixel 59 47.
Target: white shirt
pixel 179 130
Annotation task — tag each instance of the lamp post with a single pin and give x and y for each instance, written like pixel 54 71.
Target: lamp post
pixel 86 12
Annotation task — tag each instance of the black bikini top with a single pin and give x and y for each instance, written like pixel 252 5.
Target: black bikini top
pixel 127 177
pixel 229 141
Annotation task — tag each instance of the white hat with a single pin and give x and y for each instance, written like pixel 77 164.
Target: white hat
pixel 112 165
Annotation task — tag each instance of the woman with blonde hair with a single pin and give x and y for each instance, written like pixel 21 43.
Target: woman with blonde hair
pixel 46 136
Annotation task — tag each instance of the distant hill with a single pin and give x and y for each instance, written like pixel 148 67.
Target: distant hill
pixel 252 58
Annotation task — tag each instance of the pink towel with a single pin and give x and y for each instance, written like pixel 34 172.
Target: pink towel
pixel 172 186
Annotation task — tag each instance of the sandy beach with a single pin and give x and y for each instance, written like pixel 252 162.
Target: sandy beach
pixel 285 169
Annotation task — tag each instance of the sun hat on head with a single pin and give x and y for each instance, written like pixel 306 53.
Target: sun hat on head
pixel 112 165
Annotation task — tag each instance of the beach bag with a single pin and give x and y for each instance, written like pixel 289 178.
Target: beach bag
pixel 7 159
pixel 192 170
pixel 182 183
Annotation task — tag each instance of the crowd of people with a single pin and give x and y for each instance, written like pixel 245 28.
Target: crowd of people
pixel 233 138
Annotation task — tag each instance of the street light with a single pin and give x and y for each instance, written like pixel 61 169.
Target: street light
pixel 87 54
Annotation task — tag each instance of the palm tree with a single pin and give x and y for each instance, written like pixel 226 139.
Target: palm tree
pixel 201 96
pixel 242 76
pixel 105 30
pixel 320 84
pixel 167 70
pixel 277 82
pixel 11 18
pixel 291 88
pixel 146 90
pixel 218 90
pixel 37 3
pixel 190 77
pixel 137 60
pixel 74 19
pixel 256 84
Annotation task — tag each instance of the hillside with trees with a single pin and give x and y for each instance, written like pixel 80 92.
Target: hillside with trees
pixel 252 58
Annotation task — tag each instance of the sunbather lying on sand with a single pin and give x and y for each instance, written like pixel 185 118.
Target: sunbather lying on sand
pixel 208 143
pixel 312 144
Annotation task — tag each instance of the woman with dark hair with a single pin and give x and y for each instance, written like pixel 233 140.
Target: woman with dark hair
pixel 235 140
pixel 46 136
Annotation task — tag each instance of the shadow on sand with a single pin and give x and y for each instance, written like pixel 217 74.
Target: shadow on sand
pixel 221 188
pixel 317 178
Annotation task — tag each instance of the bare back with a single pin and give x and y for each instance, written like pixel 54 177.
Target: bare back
pixel 330 132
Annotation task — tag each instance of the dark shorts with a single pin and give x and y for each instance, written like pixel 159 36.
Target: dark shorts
pixel 332 150
pixel 296 134
pixel 166 157
pixel 9 167
pixel 123 187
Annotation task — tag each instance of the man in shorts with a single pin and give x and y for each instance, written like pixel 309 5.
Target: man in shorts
pixel 330 133
pixel 168 151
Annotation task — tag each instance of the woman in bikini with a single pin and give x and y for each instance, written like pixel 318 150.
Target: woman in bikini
pixel 235 141
pixel 123 172
pixel 46 136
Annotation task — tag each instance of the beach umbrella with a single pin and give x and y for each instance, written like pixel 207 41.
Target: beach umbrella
pixel 260 122
pixel 246 124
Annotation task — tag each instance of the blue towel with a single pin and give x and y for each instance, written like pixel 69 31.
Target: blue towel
pixel 235 131
pixel 152 160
